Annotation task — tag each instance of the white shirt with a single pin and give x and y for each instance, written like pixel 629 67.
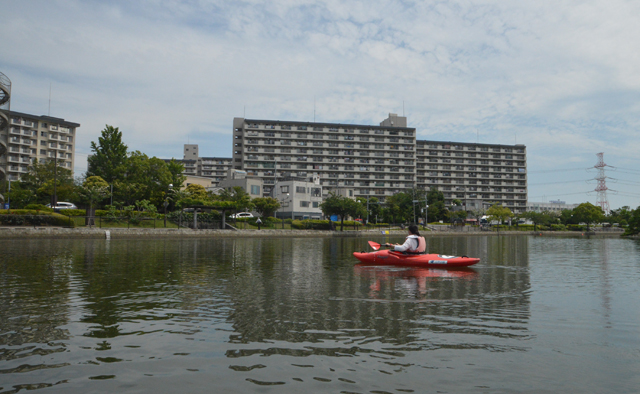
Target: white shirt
pixel 410 244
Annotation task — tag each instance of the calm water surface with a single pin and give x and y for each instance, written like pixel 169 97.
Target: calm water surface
pixel 536 315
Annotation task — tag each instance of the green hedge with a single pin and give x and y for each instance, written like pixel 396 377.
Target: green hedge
pixel 38 207
pixel 311 224
pixel 187 217
pixel 30 218
pixel 73 212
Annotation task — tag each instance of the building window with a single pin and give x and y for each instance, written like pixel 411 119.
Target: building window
pixel 255 189
pixel 300 189
pixel 304 204
pixel 316 204
pixel 284 189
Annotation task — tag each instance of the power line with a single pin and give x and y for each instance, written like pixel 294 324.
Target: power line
pixel 560 195
pixel 560 170
pixel 628 172
pixel 555 183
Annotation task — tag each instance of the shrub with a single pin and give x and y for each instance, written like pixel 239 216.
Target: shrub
pixel 73 212
pixel 31 219
pixel 576 227
pixel 187 217
pixel 38 207
pixel 558 227
pixel 311 224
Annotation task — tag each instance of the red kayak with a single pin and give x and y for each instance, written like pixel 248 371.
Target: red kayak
pixel 389 257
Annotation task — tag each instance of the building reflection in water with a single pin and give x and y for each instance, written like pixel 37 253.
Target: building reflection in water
pixel 312 292
pixel 305 294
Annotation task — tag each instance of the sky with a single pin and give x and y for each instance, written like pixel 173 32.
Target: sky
pixel 557 76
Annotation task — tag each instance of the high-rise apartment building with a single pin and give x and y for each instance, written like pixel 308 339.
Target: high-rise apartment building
pixel 381 161
pixel 5 106
pixel 30 137
pixel 476 174
pixel 373 160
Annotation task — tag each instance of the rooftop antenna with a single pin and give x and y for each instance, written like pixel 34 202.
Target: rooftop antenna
pixel 314 109
pixel 49 113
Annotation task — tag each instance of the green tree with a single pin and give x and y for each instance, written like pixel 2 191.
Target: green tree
pixel 499 213
pixel 238 196
pixel 435 200
pixel 566 217
pixel 109 155
pixel 193 194
pixel 176 169
pixel 633 227
pixel 94 190
pixel 540 218
pixel 621 215
pixel 143 178
pixel 20 196
pixel 356 209
pixel 588 213
pixel 40 181
pixel 338 205
pixel 266 206
pixel 197 191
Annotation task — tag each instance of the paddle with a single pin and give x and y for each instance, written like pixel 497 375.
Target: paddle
pixel 375 245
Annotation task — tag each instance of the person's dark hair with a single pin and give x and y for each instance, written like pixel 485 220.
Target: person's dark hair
pixel 413 229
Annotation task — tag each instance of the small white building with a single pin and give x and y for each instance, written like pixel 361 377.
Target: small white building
pixel 551 206
pixel 299 198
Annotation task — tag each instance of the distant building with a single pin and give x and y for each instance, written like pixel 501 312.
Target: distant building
pixel 551 206
pixel 5 106
pixel 479 175
pixel 214 168
pixel 37 137
pixel 371 160
pixel 205 182
pixel 365 161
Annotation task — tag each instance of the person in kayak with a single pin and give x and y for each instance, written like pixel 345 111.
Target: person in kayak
pixel 414 243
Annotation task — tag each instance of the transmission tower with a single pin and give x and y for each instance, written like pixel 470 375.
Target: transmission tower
pixel 602 188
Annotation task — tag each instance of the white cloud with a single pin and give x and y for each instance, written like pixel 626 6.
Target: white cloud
pixel 560 75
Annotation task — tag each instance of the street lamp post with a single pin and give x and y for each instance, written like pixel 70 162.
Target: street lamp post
pixel 166 203
pixel 283 210
pixel 54 198
pixel 426 213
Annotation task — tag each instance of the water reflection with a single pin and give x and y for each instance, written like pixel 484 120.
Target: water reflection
pixel 272 312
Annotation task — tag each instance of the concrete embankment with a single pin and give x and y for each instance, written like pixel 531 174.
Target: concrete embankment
pixel 134 233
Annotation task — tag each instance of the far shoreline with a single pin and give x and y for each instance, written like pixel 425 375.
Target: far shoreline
pixel 143 233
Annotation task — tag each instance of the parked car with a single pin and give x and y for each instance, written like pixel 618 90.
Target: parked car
pixel 63 205
pixel 241 215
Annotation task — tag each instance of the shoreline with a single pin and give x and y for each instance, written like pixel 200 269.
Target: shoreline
pixel 139 233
